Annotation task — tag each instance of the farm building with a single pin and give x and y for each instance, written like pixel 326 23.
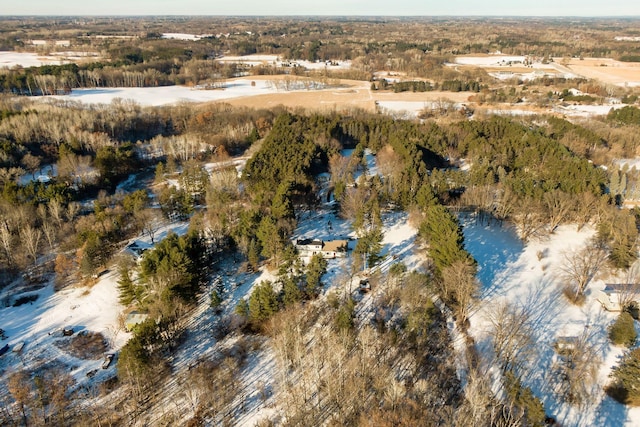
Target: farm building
pixel 615 296
pixel 134 318
pixel 328 249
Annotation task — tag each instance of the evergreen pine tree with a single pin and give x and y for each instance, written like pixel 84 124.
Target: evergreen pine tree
pixel 263 303
pixel 291 293
pixel 242 308
pixel 126 287
pixel 315 270
pixel 253 254
pixel 626 376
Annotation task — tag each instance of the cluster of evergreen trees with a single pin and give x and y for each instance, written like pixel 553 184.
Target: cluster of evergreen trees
pixel 295 283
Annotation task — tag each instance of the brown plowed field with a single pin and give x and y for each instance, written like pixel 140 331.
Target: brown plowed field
pixel 349 94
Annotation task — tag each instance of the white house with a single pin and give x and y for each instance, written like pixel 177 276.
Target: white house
pixel 328 249
pixel 615 296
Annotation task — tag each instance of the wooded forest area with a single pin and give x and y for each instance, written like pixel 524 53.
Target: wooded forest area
pixel 219 194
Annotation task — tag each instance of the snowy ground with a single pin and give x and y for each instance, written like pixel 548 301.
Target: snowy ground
pixel 153 96
pixel 185 36
pixel 276 60
pixel 165 95
pixel 9 59
pixel 587 110
pixel 39 324
pixel 511 271
pixel 628 163
pixel 43 174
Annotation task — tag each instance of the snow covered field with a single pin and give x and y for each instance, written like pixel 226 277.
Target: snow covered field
pixel 587 110
pixel 164 95
pixel 185 36
pixel 406 109
pixel 490 60
pixel 242 87
pixel 28 59
pixel 277 61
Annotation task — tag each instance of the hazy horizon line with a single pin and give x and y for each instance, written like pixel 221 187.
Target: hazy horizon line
pixel 310 16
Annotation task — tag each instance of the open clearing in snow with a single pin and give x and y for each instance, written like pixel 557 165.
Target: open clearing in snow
pixel 513 272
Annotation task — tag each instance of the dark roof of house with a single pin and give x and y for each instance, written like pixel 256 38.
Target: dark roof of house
pixel 305 242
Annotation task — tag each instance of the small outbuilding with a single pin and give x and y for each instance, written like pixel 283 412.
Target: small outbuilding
pixel 615 296
pixel 135 318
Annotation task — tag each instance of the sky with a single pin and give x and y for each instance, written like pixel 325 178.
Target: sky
pixel 325 7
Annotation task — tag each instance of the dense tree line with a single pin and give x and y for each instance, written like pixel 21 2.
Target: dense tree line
pixel 461 86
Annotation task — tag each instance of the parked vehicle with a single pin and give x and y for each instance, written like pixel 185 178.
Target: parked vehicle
pixel 364 286
pixel 67 332
pixel 108 358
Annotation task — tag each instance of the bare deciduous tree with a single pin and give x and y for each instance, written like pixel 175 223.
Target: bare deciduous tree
pixel 30 237
pixel 512 333
pixel 460 284
pixel 558 205
pixel 478 399
pixel 149 221
pixel 340 169
pixel 6 240
pixel 528 219
pixel 577 367
pixel 353 202
pixel 31 163
pixel 18 386
pixel 581 266
pixel 50 234
pixel 56 211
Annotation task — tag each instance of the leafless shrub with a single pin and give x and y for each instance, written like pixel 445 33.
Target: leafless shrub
pixel 90 345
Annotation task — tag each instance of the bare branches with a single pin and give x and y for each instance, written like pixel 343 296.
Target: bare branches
pixel 31 236
pixel 580 267
pixel 513 336
pixel 460 285
pixel 577 367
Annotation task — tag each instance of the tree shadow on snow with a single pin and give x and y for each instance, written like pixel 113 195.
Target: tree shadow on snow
pixel 493 246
